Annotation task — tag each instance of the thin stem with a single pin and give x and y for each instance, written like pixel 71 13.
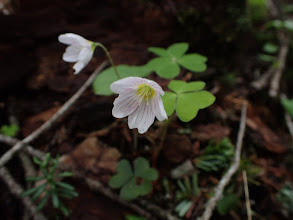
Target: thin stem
pixel 158 149
pixel 109 57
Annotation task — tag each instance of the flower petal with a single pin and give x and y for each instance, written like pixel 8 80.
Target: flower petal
pixel 78 67
pixel 73 39
pixel 71 54
pixel 159 109
pixel 124 105
pixel 142 118
pixel 126 84
pixel 85 55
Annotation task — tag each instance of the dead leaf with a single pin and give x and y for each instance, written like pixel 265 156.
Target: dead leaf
pixel 177 148
pixel 91 156
pixel 210 132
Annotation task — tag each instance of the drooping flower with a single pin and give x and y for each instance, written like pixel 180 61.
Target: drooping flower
pixel 140 100
pixel 80 50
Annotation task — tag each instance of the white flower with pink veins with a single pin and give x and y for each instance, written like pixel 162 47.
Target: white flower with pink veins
pixel 140 100
pixel 80 50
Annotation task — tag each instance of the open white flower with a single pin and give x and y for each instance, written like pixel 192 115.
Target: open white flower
pixel 140 100
pixel 80 50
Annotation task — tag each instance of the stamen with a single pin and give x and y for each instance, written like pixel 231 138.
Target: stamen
pixel 145 92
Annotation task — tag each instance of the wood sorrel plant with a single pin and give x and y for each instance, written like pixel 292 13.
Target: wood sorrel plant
pixel 140 99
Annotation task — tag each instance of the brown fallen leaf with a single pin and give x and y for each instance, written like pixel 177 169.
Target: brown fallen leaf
pixel 177 148
pixel 36 121
pixel 210 132
pixel 91 156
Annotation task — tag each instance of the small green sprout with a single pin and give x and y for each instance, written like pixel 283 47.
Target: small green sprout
pixel 133 183
pixel 9 130
pixel 285 197
pixel 216 156
pixel 188 191
pixel 49 185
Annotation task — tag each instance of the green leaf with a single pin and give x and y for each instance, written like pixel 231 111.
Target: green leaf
pixel 179 86
pixel 130 190
pixel 34 178
pixel 159 51
pixel 145 187
pixel 65 174
pixel 193 62
pixel 227 203
pixel 288 25
pixel 183 207
pixel 65 185
pixel 124 173
pixel 266 57
pixel 188 104
pixel 142 169
pixel 33 190
pixel 64 210
pixel 178 50
pixel 9 130
pixel 288 105
pixel 39 192
pixel 165 67
pixel 55 200
pixel 270 48
pixel 169 101
pixel 133 217
pixel 195 187
pixel 102 82
pixel 43 202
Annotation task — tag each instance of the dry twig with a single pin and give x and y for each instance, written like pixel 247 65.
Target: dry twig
pixel 246 192
pixel 218 191
pixel 157 211
pixel 48 124
pixel 17 190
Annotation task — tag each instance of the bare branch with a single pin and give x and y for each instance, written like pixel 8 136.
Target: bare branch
pixel 281 62
pixel 218 191
pixel 48 124
pixel 17 190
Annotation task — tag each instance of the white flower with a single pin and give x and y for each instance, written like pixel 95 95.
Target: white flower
pixel 80 50
pixel 140 100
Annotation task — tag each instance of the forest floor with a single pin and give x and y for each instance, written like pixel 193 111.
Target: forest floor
pixel 35 82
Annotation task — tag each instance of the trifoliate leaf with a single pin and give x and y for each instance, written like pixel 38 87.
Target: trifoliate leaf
pixel 178 50
pixel 288 105
pixel 194 62
pixel 179 86
pixel 124 173
pixel 145 187
pixel 169 101
pixel 130 190
pixel 142 169
pixel 159 51
pixel 188 104
pixel 102 82
pixel 165 67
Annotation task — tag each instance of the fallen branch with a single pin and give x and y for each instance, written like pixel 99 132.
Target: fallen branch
pixel 218 191
pixel 281 62
pixel 48 124
pixel 246 192
pixel 17 190
pixel 153 210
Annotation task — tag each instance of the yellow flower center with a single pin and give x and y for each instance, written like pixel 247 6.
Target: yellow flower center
pixel 145 91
